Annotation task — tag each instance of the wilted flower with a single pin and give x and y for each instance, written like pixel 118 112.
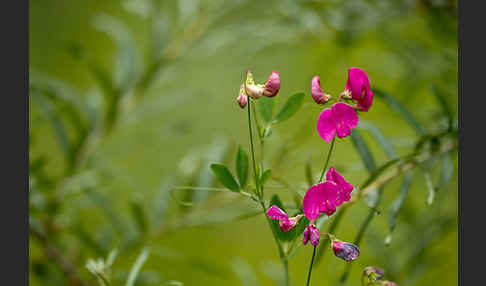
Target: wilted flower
pixel 358 86
pixel 272 86
pixel 317 94
pixel 340 119
pixel 242 99
pixel 374 271
pixel 345 250
pixel 286 223
pixel 326 196
pixel 311 233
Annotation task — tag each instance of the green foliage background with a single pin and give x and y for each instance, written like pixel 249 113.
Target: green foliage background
pixel 168 133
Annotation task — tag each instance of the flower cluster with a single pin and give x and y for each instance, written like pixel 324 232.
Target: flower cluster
pixel 341 117
pixel 320 198
pixel 255 91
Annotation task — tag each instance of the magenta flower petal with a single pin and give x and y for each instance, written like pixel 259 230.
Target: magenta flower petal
pixel 275 212
pixel 316 91
pixel 326 125
pixel 345 188
pixel 272 86
pixel 320 198
pixel 359 85
pixel 311 233
pixel 345 118
pixel 345 250
pixel 287 225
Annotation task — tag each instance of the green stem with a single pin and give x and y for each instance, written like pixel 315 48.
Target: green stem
pixel 327 159
pixel 260 194
pixel 253 150
pixel 310 267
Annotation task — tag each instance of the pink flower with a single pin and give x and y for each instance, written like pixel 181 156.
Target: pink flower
pixel 345 250
pixel 358 84
pixel 345 188
pixel 286 224
pixel 326 196
pixel 272 86
pixel 340 119
pixel 316 91
pixel 242 99
pixel 311 233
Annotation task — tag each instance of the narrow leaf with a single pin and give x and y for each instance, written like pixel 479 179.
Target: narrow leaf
pixel 446 171
pixel 398 107
pixel 139 215
pixel 224 176
pixel 363 150
pixel 380 138
pixel 265 176
pixel 290 107
pixel 132 276
pixel 398 203
pixel 242 166
pixel 430 188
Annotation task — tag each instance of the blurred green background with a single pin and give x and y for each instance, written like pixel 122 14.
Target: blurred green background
pixel 170 128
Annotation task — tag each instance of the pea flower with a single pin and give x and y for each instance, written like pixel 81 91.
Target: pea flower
pixel 311 233
pixel 242 99
pixel 358 87
pixel 345 250
pixel 338 120
pixel 326 196
pixel 317 94
pixel 286 224
pixel 272 86
pixel 253 90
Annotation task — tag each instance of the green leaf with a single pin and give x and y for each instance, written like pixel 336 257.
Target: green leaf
pixel 446 171
pixel 444 104
pixel 265 176
pixel 132 276
pixel 224 176
pixel 161 203
pixel 139 215
pixel 265 107
pixel 242 166
pixel 398 202
pixel 128 60
pixel 380 138
pixel 398 107
pixel 430 187
pixel 363 150
pixel 290 107
pixel 50 114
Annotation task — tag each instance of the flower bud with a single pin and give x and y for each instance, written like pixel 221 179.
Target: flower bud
pixel 345 250
pixel 311 233
pixel 272 86
pixel 317 94
pixel 374 271
pixel 242 99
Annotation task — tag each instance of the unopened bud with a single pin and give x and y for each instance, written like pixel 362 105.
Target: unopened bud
pixel 345 250
pixel 311 233
pixel 242 99
pixel 254 91
pixel 272 86
pixel 317 94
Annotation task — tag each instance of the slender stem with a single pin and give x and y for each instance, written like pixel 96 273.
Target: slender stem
pixel 310 267
pixel 327 159
pixel 252 149
pixel 260 194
